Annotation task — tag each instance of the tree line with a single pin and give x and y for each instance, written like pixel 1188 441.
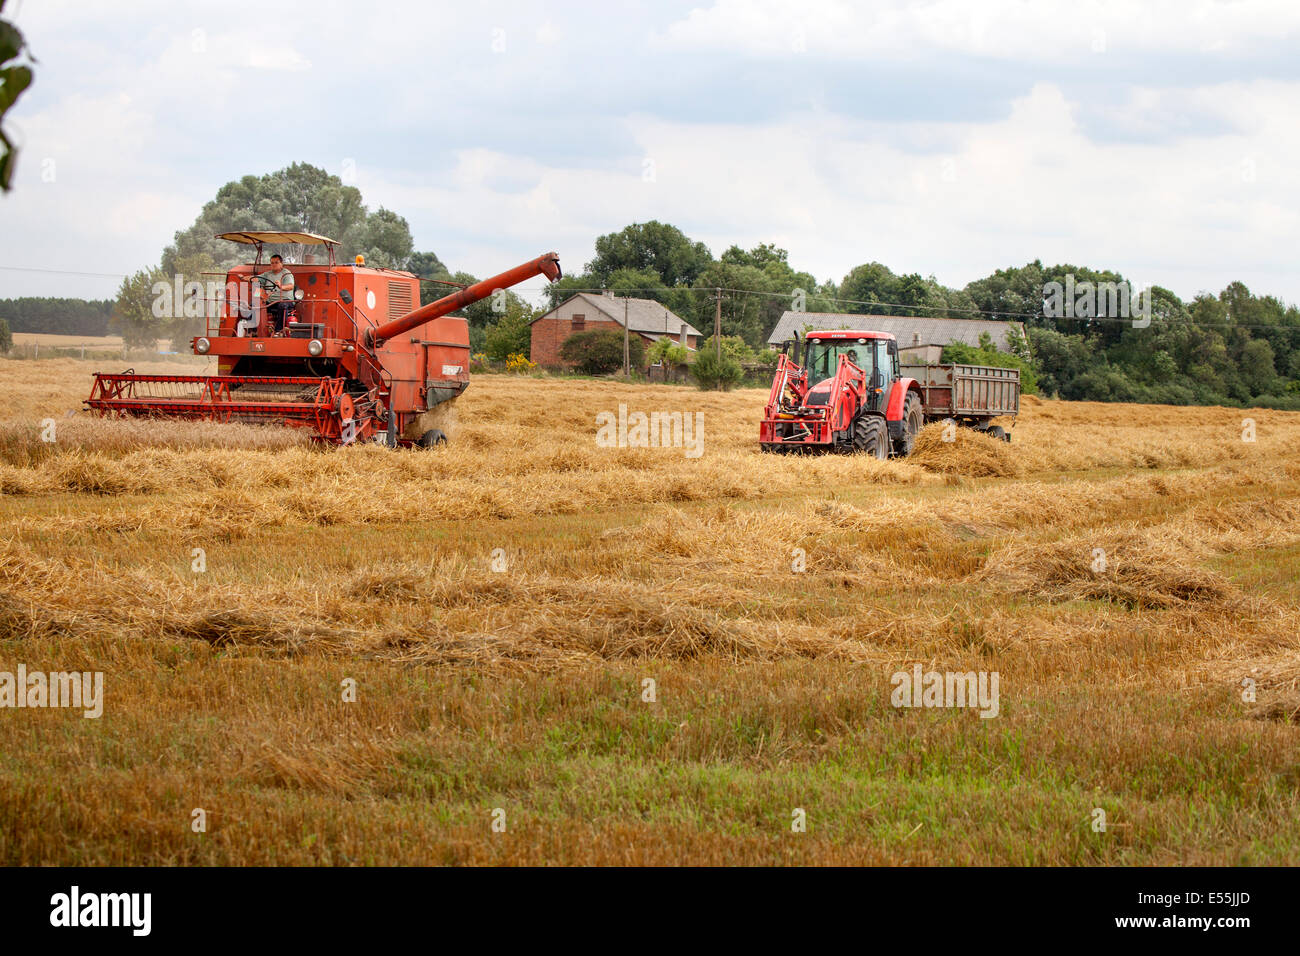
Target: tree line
pixel 1231 348
pixel 57 316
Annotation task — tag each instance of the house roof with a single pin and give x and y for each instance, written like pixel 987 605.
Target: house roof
pixel 643 315
pixel 911 331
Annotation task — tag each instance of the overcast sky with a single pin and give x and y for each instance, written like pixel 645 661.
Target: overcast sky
pixel 946 138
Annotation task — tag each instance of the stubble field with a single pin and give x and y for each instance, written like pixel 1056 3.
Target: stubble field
pixel 1129 572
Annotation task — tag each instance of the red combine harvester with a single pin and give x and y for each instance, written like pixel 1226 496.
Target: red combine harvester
pixel 359 359
pixel 851 394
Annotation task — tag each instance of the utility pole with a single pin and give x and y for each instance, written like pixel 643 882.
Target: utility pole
pixel 717 324
pixel 627 344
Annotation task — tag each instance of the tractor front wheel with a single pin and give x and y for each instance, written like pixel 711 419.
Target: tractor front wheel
pixel 871 436
pixel 913 419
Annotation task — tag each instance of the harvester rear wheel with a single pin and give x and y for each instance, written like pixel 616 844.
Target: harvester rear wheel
pixel 913 420
pixel 432 438
pixel 998 432
pixel 871 436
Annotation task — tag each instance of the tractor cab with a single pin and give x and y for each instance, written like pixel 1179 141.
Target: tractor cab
pixel 871 357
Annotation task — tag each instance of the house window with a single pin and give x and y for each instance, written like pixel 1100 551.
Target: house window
pixel 579 323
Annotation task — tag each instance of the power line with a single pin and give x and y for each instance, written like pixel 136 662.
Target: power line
pixel 64 272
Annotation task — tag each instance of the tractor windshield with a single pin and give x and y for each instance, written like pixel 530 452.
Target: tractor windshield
pixel 873 356
pixel 824 357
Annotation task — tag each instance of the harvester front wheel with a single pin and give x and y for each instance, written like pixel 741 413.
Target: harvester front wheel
pixel 872 436
pixel 432 438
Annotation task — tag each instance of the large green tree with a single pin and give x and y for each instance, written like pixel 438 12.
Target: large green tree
pixel 654 246
pixel 875 289
pixel 298 198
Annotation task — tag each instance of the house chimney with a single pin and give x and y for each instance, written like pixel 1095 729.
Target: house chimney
pixel 682 336
pixel 916 338
pixel 607 293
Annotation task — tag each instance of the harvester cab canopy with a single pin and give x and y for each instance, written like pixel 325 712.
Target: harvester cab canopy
pixel 260 239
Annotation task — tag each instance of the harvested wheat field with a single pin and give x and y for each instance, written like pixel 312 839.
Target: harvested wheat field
pixel 502 604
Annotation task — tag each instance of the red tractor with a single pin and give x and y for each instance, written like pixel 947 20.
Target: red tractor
pixel 847 396
pixel 851 394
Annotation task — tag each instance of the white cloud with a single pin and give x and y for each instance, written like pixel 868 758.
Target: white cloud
pixel 280 59
pixel 548 35
pixel 1037 30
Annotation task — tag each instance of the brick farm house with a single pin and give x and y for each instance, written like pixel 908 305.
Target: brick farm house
pixel 584 311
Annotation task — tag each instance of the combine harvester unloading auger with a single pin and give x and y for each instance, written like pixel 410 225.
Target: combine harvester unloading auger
pixel 358 359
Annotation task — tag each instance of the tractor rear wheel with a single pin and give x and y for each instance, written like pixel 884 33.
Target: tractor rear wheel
pixel 871 436
pixel 913 420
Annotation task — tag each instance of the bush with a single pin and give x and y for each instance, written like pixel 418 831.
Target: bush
pixel 600 351
pixel 510 335
pixel 668 353
pixel 515 362
pixel 6 338
pixel 732 345
pixel 711 372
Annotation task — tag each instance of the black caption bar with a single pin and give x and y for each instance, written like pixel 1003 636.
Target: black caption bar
pixel 300 906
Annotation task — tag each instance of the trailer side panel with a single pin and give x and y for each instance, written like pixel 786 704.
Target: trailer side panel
pixel 977 392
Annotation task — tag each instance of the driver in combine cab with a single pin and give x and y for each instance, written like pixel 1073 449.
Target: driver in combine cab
pixel 279 296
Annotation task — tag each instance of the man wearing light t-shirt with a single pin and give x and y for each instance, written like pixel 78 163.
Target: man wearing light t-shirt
pixel 279 296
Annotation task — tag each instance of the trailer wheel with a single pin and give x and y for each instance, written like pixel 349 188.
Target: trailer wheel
pixel 871 436
pixel 998 432
pixel 432 438
pixel 913 420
